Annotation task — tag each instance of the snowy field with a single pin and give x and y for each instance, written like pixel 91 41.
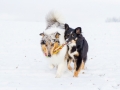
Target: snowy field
pixel 23 66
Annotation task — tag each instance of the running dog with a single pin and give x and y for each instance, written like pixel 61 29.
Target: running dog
pixel 77 48
pixel 52 37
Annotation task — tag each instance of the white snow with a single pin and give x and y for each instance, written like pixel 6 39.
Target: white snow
pixel 23 66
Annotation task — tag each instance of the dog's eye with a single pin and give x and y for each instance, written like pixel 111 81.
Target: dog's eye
pixel 67 35
pixel 42 41
pixel 46 45
pixel 53 40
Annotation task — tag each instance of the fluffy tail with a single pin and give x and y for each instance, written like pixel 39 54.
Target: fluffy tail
pixel 54 18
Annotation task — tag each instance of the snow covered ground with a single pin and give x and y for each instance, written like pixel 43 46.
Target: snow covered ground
pixel 23 66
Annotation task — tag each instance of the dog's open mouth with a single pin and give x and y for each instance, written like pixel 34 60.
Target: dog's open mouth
pixel 67 43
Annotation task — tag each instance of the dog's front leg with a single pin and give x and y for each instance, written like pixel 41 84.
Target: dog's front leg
pixel 78 66
pixel 68 63
pixel 61 68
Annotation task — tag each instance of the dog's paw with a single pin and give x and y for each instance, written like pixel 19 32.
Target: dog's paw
pixel 70 68
pixel 51 66
pixel 75 74
pixel 58 76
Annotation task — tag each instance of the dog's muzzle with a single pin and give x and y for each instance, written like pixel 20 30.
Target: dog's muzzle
pixel 49 55
pixel 67 42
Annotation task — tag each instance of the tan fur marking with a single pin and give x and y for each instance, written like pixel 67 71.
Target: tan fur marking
pixel 56 44
pixel 44 49
pixel 57 35
pixel 73 41
pixel 69 67
pixel 77 54
pixel 83 65
pixel 78 71
pixel 78 31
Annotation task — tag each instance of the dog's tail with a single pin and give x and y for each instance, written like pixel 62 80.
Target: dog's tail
pixel 54 18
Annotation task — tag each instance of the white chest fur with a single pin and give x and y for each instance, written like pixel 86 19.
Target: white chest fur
pixel 72 53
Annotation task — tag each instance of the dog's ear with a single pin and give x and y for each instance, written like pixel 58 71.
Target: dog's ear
pixel 78 30
pixel 41 34
pixel 66 26
pixel 57 35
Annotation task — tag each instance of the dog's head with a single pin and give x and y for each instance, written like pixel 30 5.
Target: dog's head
pixel 68 31
pixel 49 43
pixel 72 35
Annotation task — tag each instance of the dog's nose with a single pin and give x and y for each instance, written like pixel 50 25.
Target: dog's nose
pixel 49 55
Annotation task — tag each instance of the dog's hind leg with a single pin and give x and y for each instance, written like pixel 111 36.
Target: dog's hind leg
pixel 84 60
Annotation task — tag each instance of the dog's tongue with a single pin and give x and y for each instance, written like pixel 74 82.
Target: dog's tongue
pixel 45 54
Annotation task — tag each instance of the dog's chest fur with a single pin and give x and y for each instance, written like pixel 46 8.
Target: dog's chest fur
pixel 73 51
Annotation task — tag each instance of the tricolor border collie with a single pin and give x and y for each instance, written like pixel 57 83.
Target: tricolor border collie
pixel 77 48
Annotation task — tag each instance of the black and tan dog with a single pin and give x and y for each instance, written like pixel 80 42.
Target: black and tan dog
pixel 77 48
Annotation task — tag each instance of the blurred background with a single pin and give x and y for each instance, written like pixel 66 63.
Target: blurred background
pixel 82 10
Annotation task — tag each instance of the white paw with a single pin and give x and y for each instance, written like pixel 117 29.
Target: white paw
pixel 51 66
pixel 58 76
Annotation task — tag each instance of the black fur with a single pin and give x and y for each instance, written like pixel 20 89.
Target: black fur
pixel 67 32
pixel 73 49
pixel 42 41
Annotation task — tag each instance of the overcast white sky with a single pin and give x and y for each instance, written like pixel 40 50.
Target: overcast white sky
pixel 83 10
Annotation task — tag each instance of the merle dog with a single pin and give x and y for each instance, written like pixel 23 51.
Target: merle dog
pixel 77 48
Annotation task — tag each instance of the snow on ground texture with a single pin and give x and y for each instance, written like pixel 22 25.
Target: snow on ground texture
pixel 23 66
